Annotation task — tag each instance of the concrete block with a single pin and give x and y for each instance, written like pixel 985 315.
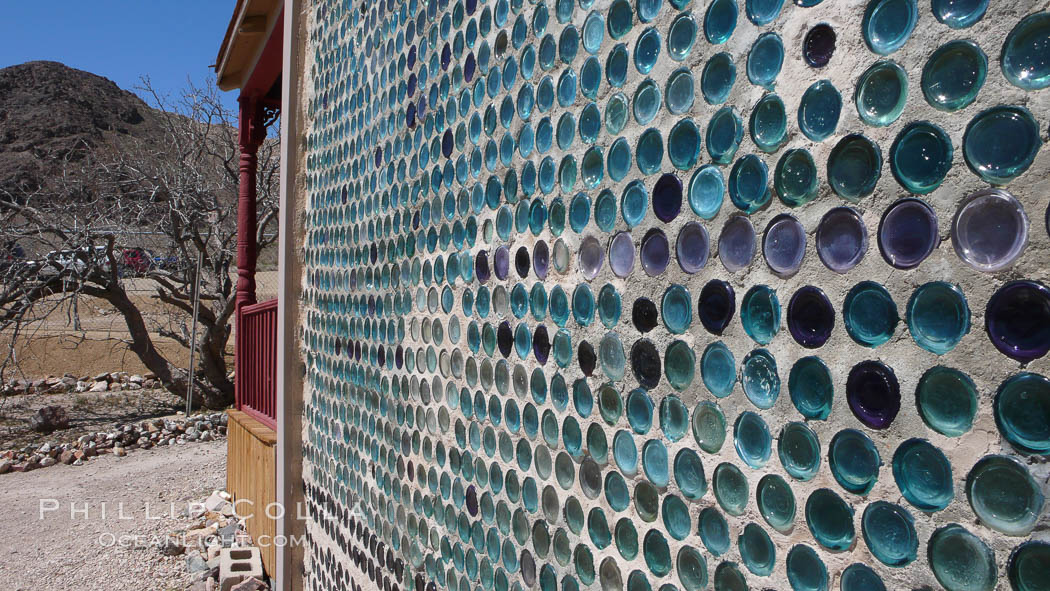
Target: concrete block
pixel 238 564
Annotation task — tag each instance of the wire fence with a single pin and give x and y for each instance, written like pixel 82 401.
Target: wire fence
pixel 138 252
pixel 266 284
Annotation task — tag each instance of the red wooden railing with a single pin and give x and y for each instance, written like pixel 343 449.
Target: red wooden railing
pixel 256 360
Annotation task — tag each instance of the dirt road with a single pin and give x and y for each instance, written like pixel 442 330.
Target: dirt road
pixel 89 550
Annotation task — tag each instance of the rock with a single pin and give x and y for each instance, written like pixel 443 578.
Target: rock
pixel 5 466
pixel 48 461
pixel 67 457
pixel 120 452
pixel 115 386
pixel 102 377
pixel 251 584
pixel 196 564
pixel 215 502
pixel 200 537
pixel 46 448
pixel 171 547
pixel 199 586
pixel 99 386
pixel 78 462
pixel 226 534
pixel 48 419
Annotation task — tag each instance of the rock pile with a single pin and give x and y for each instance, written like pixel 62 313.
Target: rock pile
pixel 215 527
pixel 118 440
pixel 104 382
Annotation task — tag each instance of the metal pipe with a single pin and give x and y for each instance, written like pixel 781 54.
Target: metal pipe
pixel 193 331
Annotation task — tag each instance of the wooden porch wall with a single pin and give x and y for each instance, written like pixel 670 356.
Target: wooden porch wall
pixel 251 475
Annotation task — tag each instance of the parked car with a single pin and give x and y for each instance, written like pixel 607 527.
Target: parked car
pixel 11 256
pixel 74 262
pixel 135 262
pixel 168 263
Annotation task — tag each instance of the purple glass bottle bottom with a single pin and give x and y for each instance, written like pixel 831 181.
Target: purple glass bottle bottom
pixel 692 247
pixel 481 266
pixel 541 344
pixel 784 244
pixel 667 197
pixel 842 239
pixel 1017 320
pixel 716 306
pixel 522 262
pixel 501 262
pixel 819 45
pixel 907 233
pixel 736 245
pixel 621 254
pixel 541 259
pixel 592 256
pixel 810 317
pixel 873 394
pixel 655 252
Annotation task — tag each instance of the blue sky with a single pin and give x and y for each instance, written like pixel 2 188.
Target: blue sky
pixel 119 39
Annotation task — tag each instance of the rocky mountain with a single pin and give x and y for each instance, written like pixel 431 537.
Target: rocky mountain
pixel 51 114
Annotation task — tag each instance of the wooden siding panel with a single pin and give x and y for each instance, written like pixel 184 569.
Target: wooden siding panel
pixel 251 477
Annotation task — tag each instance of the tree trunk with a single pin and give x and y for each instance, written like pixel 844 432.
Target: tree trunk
pixel 212 366
pixel 208 392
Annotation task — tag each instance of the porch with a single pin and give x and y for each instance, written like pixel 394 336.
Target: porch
pixel 250 61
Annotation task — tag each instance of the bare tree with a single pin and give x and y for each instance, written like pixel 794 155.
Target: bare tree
pixel 174 193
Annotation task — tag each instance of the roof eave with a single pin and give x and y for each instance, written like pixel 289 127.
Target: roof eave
pixel 246 36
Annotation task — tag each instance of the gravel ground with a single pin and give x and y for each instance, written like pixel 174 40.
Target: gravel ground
pixel 64 552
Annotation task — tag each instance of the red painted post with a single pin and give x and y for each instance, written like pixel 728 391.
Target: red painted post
pixel 250 136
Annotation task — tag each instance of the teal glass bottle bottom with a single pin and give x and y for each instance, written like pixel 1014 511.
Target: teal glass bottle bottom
pixel 960 560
